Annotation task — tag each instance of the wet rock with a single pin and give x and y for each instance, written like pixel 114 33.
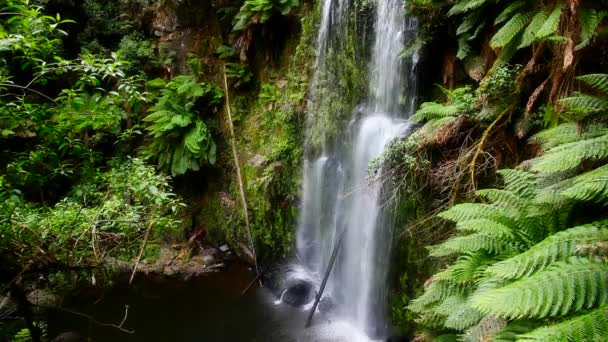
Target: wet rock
pixel 298 294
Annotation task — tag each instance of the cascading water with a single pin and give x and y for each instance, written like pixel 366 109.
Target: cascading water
pixel 338 193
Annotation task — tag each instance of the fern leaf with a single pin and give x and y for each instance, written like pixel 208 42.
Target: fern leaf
pixel 519 182
pixel 470 244
pixel 487 227
pixel 590 20
pixel 568 156
pixel 464 48
pixel 511 29
pixel 506 13
pixel 504 198
pixel 566 133
pixel 564 287
pixel 592 326
pixel 597 81
pixel 513 329
pixel 559 246
pixel 529 36
pixel 587 103
pixel 458 312
pixel 591 186
pixel 433 110
pixel 467 23
pixel 464 6
pixel 470 211
pixel 435 292
pixel 551 24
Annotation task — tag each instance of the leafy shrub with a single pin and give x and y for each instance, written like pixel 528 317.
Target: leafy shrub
pixel 259 11
pixel 181 140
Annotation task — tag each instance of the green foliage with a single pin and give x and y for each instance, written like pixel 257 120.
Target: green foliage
pixel 181 139
pixel 240 73
pixel 259 11
pixel 589 327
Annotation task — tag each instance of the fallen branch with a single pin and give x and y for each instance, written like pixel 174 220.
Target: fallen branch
pixel 92 319
pixel 141 252
pixel 238 172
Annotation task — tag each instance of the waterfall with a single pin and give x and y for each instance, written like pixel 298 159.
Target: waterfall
pixel 338 192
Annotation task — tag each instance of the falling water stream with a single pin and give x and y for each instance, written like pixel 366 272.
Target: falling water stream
pixel 338 192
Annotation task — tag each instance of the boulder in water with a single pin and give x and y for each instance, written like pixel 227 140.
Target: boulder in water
pixel 299 293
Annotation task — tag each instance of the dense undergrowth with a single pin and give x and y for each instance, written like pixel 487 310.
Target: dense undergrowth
pixel 512 165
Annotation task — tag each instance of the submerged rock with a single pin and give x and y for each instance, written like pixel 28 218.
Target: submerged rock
pixel 298 294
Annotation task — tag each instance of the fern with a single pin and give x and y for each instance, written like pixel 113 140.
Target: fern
pixel 566 133
pixel 592 326
pixel 597 81
pixel 590 20
pixel 590 187
pixel 506 13
pixel 519 182
pixel 513 329
pixel 435 292
pixel 571 155
pixel 470 211
pixel 458 312
pixel 556 247
pixel 529 35
pixel 432 110
pixel 492 243
pixel 586 103
pixel 563 288
pixel 511 29
pixel 551 24
pixel 464 6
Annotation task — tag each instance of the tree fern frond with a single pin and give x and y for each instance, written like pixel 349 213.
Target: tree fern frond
pixel 592 326
pixel 506 13
pixel 585 102
pixel 597 81
pixel 435 292
pixel 511 29
pixel 529 35
pixel 464 47
pixel 470 244
pixel 487 227
pixel 468 23
pixel 559 246
pixel 558 290
pixel 590 20
pixel 464 6
pixel 591 186
pixel 470 211
pixel 505 199
pixel 433 110
pixel 519 182
pixel 458 312
pixel 571 155
pixel 551 24
pixel 566 133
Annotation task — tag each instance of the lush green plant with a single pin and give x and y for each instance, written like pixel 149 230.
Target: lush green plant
pixel 181 140
pixel 524 253
pixel 259 11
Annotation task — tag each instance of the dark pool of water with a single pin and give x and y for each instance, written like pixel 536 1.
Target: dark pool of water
pixel 208 308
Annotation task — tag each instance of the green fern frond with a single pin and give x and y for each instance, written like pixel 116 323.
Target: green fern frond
pixel 470 244
pixel 591 186
pixel 566 133
pixel 435 292
pixel 464 6
pixel 592 326
pixel 519 182
pixel 597 81
pixel 464 47
pixel 505 199
pixel 507 12
pixel 433 110
pixel 590 20
pixel 471 211
pixel 551 24
pixel 470 267
pixel 587 103
pixel 559 246
pixel 468 23
pixel 513 329
pixel 511 29
pixel 529 36
pixel 458 312
pixel 563 288
pixel 568 156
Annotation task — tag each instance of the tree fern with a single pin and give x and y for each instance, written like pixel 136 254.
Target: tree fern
pixel 571 155
pixel 536 23
pixel 470 211
pixel 563 288
pixel 492 243
pixel 464 6
pixel 559 246
pixel 586 103
pixel 504 198
pixel 519 182
pixel 508 11
pixel 515 328
pixel 591 186
pixel 590 20
pixel 566 133
pixel 592 326
pixel 551 24
pixel 432 110
pixel 435 292
pixel 597 81
pixel 511 29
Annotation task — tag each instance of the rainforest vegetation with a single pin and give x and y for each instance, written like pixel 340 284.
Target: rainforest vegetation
pixel 132 127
